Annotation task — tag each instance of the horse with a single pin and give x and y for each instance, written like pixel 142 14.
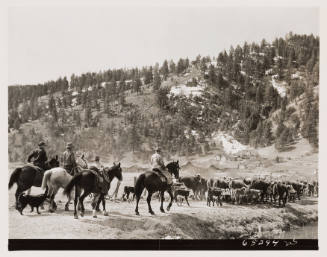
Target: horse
pixel 153 183
pixel 29 175
pixel 88 181
pixel 55 179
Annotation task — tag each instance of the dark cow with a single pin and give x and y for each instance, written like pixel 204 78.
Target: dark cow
pixel 128 190
pixel 221 184
pixel 263 186
pixel 311 189
pixel 214 195
pixel 282 190
pixel 247 181
pixel 298 187
pixel 237 183
pixel 316 187
pixel 191 182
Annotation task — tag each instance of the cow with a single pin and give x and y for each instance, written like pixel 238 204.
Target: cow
pixel 298 187
pixel 210 182
pixel 252 195
pixel 292 194
pixel 261 185
pixel 214 195
pixel 282 190
pixel 202 188
pixel 221 184
pixel 237 183
pixel 311 189
pixel 238 195
pixel 247 181
pixel 191 182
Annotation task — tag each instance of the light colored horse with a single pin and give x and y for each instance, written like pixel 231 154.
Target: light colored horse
pixel 55 179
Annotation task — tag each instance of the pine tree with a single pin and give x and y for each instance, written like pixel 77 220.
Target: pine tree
pixel 172 67
pixel 88 116
pixel 164 69
pixel 122 99
pixel 134 138
pixel 180 66
pixel 156 81
pixel 212 75
pixel 267 136
pixel 138 84
pixel 77 119
pixel 53 108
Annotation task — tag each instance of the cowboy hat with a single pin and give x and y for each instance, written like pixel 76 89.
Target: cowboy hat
pixel 42 143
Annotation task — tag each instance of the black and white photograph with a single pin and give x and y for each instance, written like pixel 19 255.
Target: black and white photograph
pixel 163 127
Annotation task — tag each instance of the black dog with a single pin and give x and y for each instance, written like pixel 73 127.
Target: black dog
pixel 128 190
pixel 31 200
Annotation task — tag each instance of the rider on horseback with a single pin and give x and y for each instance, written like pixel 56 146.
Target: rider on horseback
pixel 69 161
pixel 39 155
pixel 159 166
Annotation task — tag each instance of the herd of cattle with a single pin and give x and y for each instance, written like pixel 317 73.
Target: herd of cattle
pixel 239 190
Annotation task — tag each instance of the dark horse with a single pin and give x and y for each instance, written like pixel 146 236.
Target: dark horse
pixel 87 180
pixel 29 176
pixel 153 183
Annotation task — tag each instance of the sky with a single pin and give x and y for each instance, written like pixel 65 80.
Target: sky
pixel 46 43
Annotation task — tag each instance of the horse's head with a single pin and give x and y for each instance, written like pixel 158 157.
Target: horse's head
pixel 114 171
pixel 173 167
pixel 54 162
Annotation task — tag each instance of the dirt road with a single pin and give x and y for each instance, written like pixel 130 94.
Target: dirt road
pixel 195 222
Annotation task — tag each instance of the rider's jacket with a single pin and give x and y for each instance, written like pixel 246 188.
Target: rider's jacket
pixel 157 162
pixel 40 157
pixel 69 159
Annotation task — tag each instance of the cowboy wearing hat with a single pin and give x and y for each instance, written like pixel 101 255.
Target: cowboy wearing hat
pixel 69 161
pixel 157 164
pixel 39 155
pixel 98 164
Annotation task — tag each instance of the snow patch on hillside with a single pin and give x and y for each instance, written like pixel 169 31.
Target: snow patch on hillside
pixel 279 87
pixel 185 90
pixel 296 76
pixel 230 144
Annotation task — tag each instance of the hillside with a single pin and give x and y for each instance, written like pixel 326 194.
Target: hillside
pixel 253 100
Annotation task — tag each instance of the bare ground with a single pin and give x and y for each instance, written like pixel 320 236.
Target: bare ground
pixel 195 222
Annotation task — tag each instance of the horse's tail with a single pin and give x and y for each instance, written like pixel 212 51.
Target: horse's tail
pixel 46 178
pixel 72 183
pixel 139 185
pixel 14 177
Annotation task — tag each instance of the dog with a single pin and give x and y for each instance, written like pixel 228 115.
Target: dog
pixel 128 190
pixel 31 200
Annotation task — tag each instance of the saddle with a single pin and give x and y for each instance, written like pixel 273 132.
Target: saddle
pixel 35 167
pixel 160 174
pixel 101 182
